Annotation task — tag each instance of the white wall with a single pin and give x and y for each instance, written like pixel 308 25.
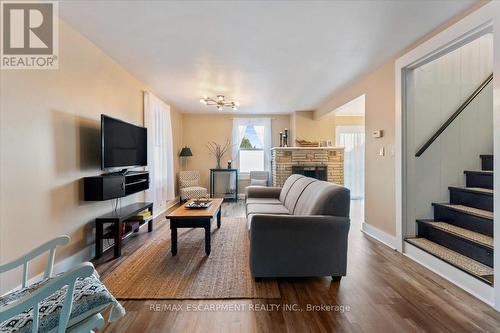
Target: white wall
pixel 436 90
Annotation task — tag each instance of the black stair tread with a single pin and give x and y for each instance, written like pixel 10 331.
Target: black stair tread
pixel 480 172
pixel 466 264
pixel 473 236
pixel 467 210
pixel 480 190
pixel 486 155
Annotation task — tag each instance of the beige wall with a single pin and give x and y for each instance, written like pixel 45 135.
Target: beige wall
pixel 379 87
pixel 305 126
pixel 199 129
pixel 49 141
pixel 308 128
pixel 379 170
pixel 349 120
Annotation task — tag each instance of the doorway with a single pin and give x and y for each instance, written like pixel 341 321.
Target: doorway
pixel 350 134
pixel 412 154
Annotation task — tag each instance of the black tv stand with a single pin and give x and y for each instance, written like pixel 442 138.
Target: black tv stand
pixel 117 218
pixel 115 185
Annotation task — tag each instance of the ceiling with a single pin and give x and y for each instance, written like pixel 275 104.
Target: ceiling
pixel 272 56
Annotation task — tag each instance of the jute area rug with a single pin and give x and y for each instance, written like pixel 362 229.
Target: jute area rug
pixel 153 273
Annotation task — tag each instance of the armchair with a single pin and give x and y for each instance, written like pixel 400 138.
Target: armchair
pixel 189 185
pixel 68 302
pixel 258 179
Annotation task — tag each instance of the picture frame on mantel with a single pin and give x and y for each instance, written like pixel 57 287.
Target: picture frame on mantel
pixel 329 143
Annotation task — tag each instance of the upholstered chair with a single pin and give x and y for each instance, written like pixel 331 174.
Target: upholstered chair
pixel 189 185
pixel 257 179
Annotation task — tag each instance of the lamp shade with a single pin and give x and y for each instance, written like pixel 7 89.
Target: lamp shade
pixel 186 151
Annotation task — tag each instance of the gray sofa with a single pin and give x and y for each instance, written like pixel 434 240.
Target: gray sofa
pixel 298 230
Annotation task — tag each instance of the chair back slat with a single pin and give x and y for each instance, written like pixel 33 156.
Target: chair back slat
pixel 66 309
pixel 61 240
pixel 36 319
pixel 50 263
pixel 25 274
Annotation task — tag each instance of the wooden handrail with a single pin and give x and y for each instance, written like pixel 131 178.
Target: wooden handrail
pixel 454 116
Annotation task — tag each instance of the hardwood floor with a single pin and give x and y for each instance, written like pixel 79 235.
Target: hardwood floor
pixel 382 292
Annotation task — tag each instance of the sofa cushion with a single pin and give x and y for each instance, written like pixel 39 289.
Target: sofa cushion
pixel 323 198
pixel 296 191
pixel 269 201
pixel 288 185
pixel 267 209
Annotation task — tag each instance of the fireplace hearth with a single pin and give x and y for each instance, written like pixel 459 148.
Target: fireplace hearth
pixel 318 172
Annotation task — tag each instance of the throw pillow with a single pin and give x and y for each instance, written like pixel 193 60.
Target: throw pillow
pixel 258 182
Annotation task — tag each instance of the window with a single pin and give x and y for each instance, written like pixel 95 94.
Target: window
pixel 251 156
pixel 252 144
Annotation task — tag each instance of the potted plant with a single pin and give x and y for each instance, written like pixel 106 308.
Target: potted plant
pixel 218 150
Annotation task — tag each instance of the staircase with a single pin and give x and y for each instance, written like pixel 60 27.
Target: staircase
pixel 461 232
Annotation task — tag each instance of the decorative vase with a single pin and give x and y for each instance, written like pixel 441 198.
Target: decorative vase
pixel 218 163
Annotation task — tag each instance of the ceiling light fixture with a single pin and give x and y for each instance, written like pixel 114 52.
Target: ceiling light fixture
pixel 220 102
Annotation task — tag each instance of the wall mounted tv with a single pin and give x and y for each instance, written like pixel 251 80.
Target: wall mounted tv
pixel 123 145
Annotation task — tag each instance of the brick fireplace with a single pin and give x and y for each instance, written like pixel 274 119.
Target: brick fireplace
pixel 318 162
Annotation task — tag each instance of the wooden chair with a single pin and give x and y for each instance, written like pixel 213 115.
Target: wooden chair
pixel 67 296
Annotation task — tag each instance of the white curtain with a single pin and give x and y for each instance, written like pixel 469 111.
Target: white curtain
pixel 352 138
pixel 262 128
pixel 160 152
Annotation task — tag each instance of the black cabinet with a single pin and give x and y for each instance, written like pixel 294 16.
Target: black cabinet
pixel 111 186
pixel 228 178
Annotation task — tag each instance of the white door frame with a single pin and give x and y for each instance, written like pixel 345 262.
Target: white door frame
pixel 485 19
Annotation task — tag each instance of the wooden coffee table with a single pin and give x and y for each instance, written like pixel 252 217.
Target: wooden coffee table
pixel 183 217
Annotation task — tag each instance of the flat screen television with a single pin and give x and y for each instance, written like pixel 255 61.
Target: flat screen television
pixel 123 145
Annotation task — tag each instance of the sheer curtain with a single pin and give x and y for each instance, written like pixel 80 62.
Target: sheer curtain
pixel 160 152
pixel 352 138
pixel 239 128
pixel 262 128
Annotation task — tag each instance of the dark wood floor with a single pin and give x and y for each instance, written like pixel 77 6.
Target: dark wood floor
pixel 383 292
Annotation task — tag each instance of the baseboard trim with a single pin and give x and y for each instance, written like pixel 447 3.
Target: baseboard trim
pixel 473 286
pixel 379 235
pixel 169 205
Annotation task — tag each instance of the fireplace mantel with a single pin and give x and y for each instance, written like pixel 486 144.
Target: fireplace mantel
pixel 284 158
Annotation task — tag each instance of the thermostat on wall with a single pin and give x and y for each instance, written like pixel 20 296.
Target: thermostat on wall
pixel 378 134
